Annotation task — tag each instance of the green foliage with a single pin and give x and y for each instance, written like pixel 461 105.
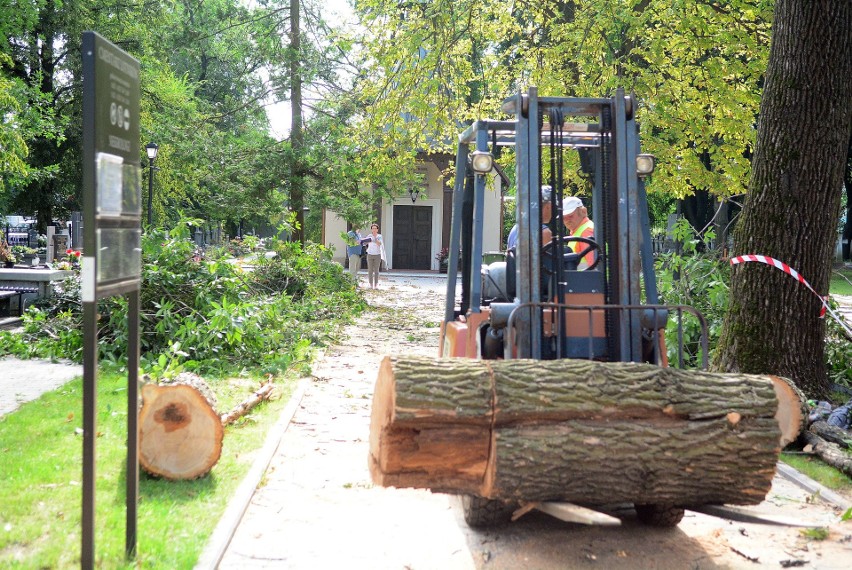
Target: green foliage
pixel 14 149
pixel 838 351
pixel 699 280
pixel 203 313
pixel 695 68
pixel 820 533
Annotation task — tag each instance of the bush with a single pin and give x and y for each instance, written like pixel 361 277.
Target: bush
pixel 838 352
pixel 202 313
pixel 699 280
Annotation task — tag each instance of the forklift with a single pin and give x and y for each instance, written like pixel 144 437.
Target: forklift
pixel 553 390
pixel 538 303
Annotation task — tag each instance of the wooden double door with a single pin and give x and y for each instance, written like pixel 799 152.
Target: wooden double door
pixel 412 237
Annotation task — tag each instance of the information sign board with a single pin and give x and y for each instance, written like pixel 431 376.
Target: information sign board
pixel 112 254
pixel 112 195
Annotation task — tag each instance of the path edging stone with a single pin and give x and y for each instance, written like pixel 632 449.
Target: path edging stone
pixel 218 542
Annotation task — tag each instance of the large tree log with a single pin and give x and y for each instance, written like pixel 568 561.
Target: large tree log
pixel 580 431
pixel 180 433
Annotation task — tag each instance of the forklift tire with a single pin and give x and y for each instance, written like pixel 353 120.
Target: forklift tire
pixel 663 516
pixel 486 513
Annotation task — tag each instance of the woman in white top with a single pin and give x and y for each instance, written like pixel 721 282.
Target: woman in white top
pixel 374 255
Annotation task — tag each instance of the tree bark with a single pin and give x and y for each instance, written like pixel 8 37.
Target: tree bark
pixel 297 195
pixel 830 433
pixel 576 430
pixel 772 324
pixel 829 452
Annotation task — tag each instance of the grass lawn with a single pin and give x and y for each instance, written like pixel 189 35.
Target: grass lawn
pixel 841 281
pixel 41 474
pixel 814 468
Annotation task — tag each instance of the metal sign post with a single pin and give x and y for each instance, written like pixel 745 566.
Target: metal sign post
pixel 112 260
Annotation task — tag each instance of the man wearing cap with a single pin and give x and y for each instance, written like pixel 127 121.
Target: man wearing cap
pixel 546 213
pixel 576 219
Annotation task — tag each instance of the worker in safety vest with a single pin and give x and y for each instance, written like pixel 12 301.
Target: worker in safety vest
pixel 576 219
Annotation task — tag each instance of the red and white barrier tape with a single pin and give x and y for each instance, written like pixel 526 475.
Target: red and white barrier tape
pixel 795 275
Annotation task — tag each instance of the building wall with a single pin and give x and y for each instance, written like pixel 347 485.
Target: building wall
pixel 434 197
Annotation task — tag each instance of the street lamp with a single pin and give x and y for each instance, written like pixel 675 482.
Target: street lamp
pixel 151 149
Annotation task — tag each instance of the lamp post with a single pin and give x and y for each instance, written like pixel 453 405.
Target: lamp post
pixel 151 149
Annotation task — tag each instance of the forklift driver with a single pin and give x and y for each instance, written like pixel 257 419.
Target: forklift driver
pixel 576 219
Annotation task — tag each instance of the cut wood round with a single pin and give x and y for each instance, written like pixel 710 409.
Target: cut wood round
pixel 576 430
pixel 791 419
pixel 180 433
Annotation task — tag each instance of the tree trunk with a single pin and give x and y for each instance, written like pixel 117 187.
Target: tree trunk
pixel 180 433
pixel 297 194
pixel 772 324
pixel 576 430
pixel 846 247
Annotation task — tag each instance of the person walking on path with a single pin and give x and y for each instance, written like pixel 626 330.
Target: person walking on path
pixel 353 251
pixel 375 255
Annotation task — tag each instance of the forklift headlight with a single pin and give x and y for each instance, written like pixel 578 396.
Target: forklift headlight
pixel 481 162
pixel 644 164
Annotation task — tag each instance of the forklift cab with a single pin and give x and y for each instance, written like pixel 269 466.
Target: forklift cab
pixel 538 303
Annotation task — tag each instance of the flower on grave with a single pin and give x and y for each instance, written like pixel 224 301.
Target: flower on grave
pixel 73 255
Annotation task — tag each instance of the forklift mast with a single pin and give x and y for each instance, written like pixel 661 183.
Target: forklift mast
pixel 607 140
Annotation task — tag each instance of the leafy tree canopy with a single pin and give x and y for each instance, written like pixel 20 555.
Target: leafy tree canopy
pixel 696 66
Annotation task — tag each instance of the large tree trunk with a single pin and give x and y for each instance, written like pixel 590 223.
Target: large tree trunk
pixel 846 249
pixel 772 324
pixel 576 430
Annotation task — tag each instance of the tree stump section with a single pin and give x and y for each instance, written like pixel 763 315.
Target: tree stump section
pixel 180 433
pixel 580 431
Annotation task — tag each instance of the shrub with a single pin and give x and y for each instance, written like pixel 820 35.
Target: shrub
pixel 203 313
pixel 699 280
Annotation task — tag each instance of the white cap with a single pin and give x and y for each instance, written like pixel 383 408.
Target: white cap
pixel 570 204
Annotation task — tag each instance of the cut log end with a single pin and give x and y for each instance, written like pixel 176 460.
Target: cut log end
pixel 180 434
pixel 792 409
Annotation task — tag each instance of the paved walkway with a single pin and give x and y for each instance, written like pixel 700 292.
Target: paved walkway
pixel 25 380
